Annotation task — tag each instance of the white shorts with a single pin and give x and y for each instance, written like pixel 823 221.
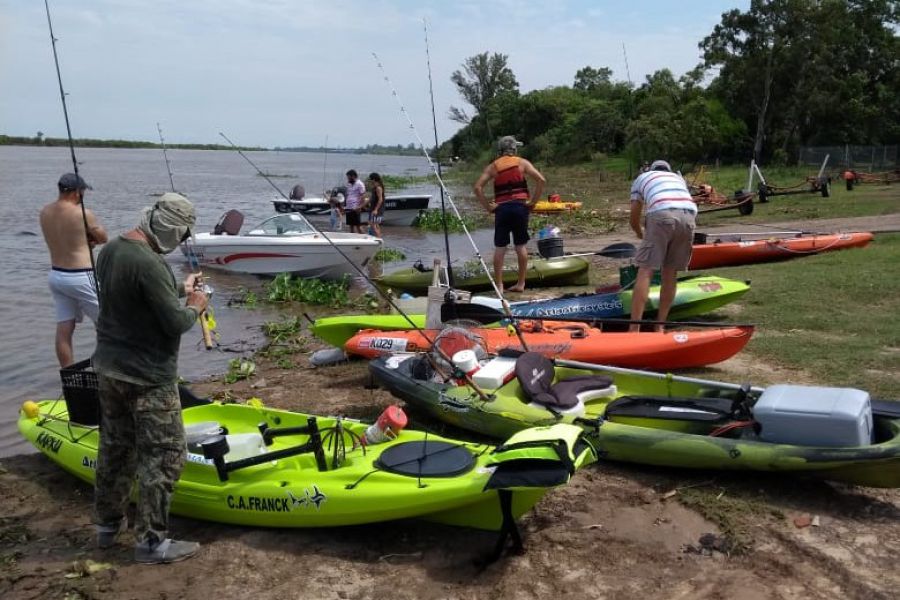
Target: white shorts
pixel 74 295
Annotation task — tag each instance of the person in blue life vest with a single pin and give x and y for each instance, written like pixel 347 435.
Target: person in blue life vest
pixel 512 202
pixel 663 216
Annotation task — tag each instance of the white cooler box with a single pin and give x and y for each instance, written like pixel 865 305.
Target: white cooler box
pixel 814 416
pixel 495 373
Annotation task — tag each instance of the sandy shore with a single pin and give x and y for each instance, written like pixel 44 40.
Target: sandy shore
pixel 616 531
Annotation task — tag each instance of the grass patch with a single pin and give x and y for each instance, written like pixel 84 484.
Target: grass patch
pixel 239 369
pixel 402 181
pixel 278 175
pixel 833 315
pixel 389 255
pixel 604 185
pixel 285 288
pixel 431 220
pixel 730 513
pixel 285 340
pixel 576 222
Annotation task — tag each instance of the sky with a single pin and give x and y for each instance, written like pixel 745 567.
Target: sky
pixel 295 72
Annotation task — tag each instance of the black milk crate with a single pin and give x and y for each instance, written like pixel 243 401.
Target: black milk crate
pixel 80 389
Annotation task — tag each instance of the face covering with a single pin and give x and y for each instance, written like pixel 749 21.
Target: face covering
pixel 169 222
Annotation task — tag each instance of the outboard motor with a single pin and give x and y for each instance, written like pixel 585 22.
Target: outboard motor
pixel 230 223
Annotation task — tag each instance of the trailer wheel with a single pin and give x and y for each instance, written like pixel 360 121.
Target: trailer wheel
pixel 826 189
pixel 761 192
pixel 849 184
pixel 746 208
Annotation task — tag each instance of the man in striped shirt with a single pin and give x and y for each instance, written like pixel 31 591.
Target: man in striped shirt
pixel 669 216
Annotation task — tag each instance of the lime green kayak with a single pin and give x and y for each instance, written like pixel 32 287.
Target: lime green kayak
pixel 664 420
pixel 694 296
pixel 312 472
pixel 541 273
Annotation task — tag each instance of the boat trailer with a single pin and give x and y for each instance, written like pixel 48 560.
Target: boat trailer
pixel 818 184
pixel 852 177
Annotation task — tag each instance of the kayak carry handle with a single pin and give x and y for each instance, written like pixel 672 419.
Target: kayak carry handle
pixel 216 447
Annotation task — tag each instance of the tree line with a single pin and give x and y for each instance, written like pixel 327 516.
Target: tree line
pixel 782 74
pixel 40 140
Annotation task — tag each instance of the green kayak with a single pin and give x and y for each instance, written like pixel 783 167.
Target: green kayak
pixel 285 469
pixel 694 296
pixel 542 272
pixel 664 420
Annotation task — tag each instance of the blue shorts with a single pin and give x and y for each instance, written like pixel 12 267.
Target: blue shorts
pixel 511 218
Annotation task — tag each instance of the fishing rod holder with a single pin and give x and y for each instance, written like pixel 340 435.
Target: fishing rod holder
pixel 215 448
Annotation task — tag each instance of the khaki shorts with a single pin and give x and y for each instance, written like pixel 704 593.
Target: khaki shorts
pixel 668 239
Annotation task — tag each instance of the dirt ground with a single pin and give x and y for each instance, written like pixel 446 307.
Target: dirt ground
pixel 616 531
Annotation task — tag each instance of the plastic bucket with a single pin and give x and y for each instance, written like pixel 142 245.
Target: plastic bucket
pixel 628 274
pixel 550 247
pixel 465 360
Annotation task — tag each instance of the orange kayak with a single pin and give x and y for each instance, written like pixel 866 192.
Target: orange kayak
pixel 729 252
pixel 574 341
pixel 558 206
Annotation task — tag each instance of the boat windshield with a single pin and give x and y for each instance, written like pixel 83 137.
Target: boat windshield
pixel 289 224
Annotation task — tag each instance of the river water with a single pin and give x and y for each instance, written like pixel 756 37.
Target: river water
pixel 125 181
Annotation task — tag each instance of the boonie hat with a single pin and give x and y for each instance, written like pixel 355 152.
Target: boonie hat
pixel 508 143
pixel 660 165
pixel 71 181
pixel 175 210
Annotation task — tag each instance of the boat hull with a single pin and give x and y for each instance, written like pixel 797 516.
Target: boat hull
pixel 399 210
pixel 695 296
pixel 643 441
pixel 731 253
pixel 576 341
pixel 293 492
pixel 540 273
pixel 306 256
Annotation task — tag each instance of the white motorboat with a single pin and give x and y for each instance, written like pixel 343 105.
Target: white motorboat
pixel 399 210
pixel 284 243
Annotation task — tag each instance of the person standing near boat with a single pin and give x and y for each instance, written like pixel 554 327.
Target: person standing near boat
pixel 376 204
pixel 355 201
pixel 138 335
pixel 71 276
pixel 510 174
pixel 669 216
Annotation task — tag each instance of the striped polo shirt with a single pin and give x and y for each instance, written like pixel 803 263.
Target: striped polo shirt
pixel 661 190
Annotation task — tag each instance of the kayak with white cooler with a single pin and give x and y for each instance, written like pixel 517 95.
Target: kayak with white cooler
pixel 284 243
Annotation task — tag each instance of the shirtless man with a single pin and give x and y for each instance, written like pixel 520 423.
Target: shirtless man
pixel 71 279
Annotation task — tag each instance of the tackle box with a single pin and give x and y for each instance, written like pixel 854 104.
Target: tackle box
pixel 814 416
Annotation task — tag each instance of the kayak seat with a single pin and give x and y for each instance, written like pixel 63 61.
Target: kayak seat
pixel 707 410
pixel 535 373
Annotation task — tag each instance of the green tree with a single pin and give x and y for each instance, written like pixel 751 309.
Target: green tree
pixel 483 78
pixel 800 71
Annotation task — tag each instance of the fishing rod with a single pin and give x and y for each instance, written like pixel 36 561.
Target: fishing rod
pixel 206 315
pixel 445 191
pixel 436 144
pixel 358 269
pixel 325 167
pixel 165 155
pixel 62 96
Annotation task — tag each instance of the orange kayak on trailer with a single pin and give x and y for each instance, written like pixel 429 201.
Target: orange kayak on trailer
pixel 727 251
pixel 575 341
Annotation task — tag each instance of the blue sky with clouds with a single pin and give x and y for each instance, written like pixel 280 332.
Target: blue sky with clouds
pixel 290 72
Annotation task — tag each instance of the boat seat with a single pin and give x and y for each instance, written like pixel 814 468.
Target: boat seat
pixel 535 373
pixel 710 410
pixel 230 223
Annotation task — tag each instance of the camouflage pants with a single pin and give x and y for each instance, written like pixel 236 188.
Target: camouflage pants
pixel 141 435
